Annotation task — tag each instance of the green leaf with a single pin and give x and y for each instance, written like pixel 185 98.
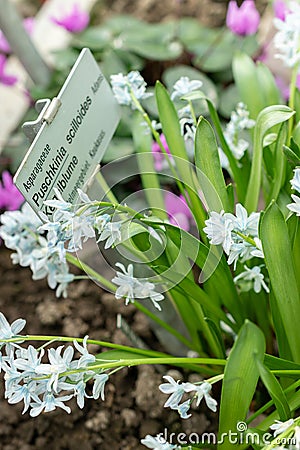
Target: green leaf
pixel 268 85
pixel 291 156
pixel 229 98
pixel 240 379
pixel 118 148
pixel 96 38
pixel 267 118
pixel 208 162
pixel 248 84
pixel 275 391
pixel 279 261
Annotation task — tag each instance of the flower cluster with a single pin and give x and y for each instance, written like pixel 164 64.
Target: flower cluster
pixel 132 288
pixel 238 235
pixel 44 253
pixel 287 39
pixel 128 88
pixel 19 230
pixel 239 121
pixel 295 182
pixel 177 390
pixel 45 386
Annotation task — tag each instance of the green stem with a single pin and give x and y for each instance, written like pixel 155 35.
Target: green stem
pixel 264 408
pixel 163 324
pixel 144 361
pixel 192 112
pixel 106 189
pixel 87 269
pixel 292 100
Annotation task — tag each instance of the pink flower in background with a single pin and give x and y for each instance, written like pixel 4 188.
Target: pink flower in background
pixel 158 155
pixel 243 20
pixel 280 9
pixel 178 211
pixel 10 197
pixel 75 21
pixel 9 80
pixel 284 87
pixel 4 45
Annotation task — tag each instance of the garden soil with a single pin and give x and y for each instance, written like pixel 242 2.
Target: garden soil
pixel 133 405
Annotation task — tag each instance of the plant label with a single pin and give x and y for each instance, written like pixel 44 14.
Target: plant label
pixel 75 132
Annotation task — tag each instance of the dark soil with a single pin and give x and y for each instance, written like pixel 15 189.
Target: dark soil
pixel 133 406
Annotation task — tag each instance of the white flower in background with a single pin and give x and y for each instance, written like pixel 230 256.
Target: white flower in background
pixel 295 182
pixel 184 86
pixel 219 230
pixel 295 207
pixel 126 283
pixel 124 86
pixel 157 443
pixel 203 391
pixel 239 121
pixel 258 251
pixel 8 331
pixel 234 232
pixel 111 232
pixel 176 389
pixel 132 288
pixel 287 39
pixel 279 427
pixel 251 278
pixel 244 224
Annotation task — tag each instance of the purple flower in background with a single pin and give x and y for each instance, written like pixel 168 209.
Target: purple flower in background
pixel 75 21
pixel 9 80
pixel 280 9
pixel 10 197
pixel 4 45
pixel 243 20
pixel 158 155
pixel 178 211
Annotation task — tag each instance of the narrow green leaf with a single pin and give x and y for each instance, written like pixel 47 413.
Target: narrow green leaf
pixel 240 380
pixel 279 164
pixel 171 129
pixel 275 363
pixel 275 391
pixel 267 118
pixel 208 162
pixel 279 261
pixel 170 123
pixel 148 173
